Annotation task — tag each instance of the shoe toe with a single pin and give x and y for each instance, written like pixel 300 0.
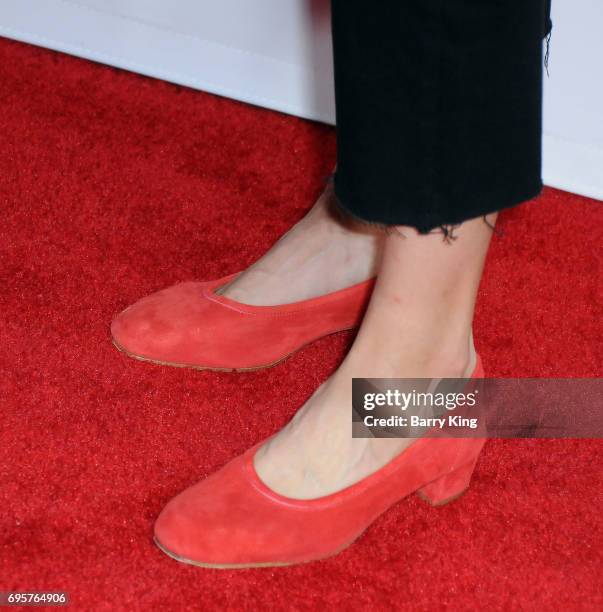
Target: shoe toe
pixel 219 522
pixel 176 534
pixel 190 531
pixel 156 326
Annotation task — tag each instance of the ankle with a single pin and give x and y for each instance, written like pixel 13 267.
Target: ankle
pixel 398 356
pixel 452 363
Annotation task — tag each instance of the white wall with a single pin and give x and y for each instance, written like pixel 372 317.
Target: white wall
pixel 573 99
pixel 277 53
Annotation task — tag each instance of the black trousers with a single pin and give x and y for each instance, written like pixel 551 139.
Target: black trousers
pixel 439 107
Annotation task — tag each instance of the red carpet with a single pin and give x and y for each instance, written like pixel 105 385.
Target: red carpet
pixel 113 185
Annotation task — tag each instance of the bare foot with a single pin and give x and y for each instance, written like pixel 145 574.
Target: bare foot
pixel 315 454
pixel 418 325
pixel 320 254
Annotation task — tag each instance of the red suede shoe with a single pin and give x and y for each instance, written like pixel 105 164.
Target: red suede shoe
pixel 233 520
pixel 189 325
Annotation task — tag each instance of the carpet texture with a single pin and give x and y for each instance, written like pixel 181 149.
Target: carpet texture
pixel 113 185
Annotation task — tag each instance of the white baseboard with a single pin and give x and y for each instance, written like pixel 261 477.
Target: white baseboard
pixel 573 166
pixel 295 86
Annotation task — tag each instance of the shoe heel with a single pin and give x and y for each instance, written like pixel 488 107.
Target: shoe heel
pixel 449 487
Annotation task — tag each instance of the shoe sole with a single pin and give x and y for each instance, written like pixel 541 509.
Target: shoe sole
pixel 233 566
pixel 189 366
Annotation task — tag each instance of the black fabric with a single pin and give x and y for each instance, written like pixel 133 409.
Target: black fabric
pixel 439 107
